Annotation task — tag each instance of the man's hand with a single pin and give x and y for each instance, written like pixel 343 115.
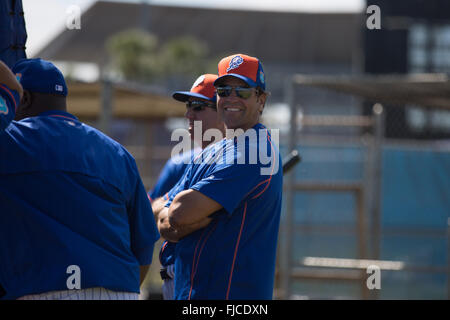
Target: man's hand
pixel 8 79
pixel 157 206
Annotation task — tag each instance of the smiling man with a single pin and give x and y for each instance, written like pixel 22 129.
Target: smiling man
pixel 225 216
pixel 242 109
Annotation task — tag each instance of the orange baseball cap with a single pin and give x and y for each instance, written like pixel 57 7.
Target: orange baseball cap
pixel 202 88
pixel 243 67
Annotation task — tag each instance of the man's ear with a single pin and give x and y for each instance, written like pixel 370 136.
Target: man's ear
pixel 26 101
pixel 262 101
pixel 23 110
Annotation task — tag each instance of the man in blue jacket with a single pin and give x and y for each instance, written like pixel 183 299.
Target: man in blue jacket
pixel 75 220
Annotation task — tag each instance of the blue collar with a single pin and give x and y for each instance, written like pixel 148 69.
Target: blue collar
pixel 58 114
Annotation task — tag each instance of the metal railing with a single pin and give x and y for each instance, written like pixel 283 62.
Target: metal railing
pixel 368 199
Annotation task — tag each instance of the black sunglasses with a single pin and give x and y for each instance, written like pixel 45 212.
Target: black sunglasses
pixel 199 105
pixel 241 92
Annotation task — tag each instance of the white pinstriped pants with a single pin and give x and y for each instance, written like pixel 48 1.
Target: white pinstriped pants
pixel 83 294
pixel 168 284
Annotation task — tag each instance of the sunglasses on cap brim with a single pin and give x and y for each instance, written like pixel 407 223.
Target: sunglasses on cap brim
pixel 199 105
pixel 241 92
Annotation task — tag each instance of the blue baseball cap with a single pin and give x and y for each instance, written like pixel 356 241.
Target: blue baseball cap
pixel 38 75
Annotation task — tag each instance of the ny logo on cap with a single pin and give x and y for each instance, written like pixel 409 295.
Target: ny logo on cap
pixel 234 63
pixel 261 77
pixel 59 88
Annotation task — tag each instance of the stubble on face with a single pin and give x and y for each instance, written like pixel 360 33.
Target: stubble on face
pixel 238 113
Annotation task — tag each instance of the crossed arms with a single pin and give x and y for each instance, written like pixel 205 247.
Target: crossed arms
pixel 188 212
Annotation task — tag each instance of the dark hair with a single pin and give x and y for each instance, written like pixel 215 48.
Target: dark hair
pixel 259 91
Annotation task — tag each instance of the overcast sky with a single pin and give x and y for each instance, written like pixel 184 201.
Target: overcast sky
pixel 46 18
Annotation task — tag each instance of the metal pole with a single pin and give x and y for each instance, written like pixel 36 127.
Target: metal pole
pixel 361 224
pixel 374 199
pixel 377 171
pixel 286 256
pixel 448 258
pixel 361 236
pixel 144 19
pixel 106 106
